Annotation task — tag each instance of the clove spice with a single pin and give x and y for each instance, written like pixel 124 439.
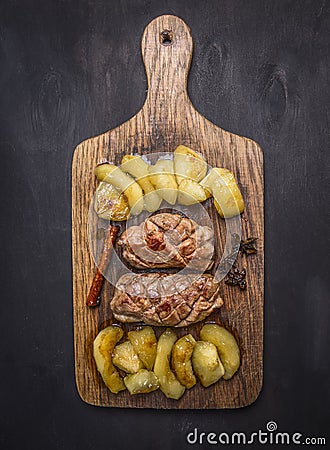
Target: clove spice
pixel 236 277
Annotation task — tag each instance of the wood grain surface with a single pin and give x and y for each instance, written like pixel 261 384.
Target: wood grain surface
pixel 166 120
pixel 71 70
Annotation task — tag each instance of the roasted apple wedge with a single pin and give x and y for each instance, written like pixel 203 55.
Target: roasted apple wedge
pixel 181 360
pixel 206 363
pixel 226 345
pixel 126 359
pixel 103 347
pixel 144 343
pixel 142 382
pixel 138 168
pixel 227 196
pixel 123 183
pixel 169 384
pixel 163 179
pixel 188 164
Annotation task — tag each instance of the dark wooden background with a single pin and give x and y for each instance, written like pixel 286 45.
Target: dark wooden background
pixel 72 69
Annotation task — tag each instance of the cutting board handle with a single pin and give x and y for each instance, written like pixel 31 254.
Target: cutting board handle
pixel 166 50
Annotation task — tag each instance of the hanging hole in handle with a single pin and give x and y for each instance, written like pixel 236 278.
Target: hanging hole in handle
pixel 166 38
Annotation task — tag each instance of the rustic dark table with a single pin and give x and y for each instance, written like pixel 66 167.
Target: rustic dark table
pixel 72 69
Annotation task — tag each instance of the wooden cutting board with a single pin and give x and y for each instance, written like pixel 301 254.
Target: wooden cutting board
pixel 166 120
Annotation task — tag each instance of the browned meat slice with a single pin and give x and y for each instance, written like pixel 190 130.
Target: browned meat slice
pixel 160 299
pixel 168 240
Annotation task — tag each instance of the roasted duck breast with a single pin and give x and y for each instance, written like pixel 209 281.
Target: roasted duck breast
pixel 161 299
pixel 168 240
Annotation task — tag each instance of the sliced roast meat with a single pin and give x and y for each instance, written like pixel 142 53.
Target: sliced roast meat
pixel 168 240
pixel 161 299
